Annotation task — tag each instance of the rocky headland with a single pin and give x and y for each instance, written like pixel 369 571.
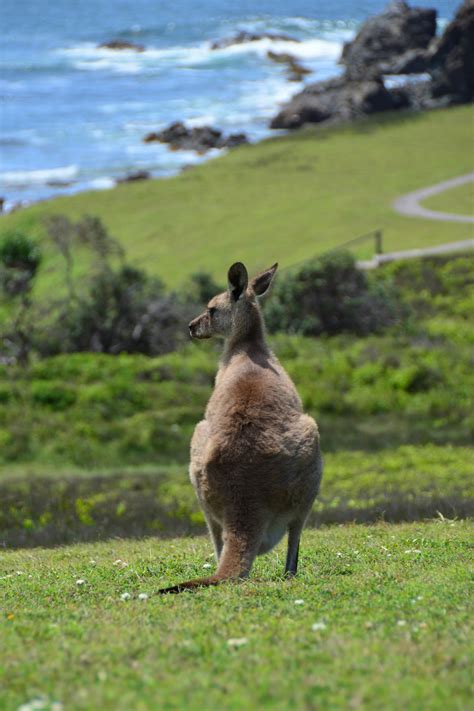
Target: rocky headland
pixel 401 40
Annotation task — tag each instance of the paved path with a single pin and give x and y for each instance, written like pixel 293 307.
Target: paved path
pixel 409 204
pixel 462 246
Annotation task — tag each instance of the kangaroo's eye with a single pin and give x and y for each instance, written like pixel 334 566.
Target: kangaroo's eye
pixel 212 310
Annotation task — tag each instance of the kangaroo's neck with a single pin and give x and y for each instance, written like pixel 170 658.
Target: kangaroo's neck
pixel 249 338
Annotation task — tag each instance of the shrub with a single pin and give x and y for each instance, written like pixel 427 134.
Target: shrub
pixel 122 311
pixel 330 295
pixel 17 251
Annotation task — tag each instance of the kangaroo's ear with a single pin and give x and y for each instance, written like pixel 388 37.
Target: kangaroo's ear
pixel 261 282
pixel 238 280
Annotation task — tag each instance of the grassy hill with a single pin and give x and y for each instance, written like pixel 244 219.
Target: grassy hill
pixel 285 199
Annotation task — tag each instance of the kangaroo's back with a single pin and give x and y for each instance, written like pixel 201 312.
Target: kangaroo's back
pixel 255 458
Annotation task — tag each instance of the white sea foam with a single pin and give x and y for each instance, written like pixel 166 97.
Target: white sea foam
pixel 104 183
pixel 91 58
pixel 24 178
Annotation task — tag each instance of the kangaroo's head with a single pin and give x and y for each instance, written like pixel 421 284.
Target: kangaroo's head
pixel 235 313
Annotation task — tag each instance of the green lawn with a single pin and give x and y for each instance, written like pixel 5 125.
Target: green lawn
pixel 459 200
pixel 283 199
pixel 385 623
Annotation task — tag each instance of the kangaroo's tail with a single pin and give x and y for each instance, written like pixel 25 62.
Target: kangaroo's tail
pixel 235 562
pixel 192 585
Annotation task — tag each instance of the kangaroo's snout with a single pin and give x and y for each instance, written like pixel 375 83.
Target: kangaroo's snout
pixel 197 327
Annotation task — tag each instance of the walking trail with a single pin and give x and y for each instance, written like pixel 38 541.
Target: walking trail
pixel 409 204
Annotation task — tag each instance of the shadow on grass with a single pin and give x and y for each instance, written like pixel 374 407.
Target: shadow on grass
pixel 54 511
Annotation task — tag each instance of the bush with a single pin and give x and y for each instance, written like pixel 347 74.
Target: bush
pixel 122 311
pixel 17 251
pixel 330 295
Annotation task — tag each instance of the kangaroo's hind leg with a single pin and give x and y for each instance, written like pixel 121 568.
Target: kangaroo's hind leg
pixel 215 530
pixel 294 534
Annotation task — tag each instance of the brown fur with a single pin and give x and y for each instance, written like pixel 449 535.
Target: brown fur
pixel 255 458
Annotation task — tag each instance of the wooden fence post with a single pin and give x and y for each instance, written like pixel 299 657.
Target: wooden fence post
pixel 378 241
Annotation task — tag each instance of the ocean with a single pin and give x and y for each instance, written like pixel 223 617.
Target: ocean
pixel 72 116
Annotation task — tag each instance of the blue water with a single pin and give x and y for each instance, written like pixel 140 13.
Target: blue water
pixel 72 116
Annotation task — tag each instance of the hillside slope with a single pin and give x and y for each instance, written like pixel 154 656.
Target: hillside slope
pixel 287 198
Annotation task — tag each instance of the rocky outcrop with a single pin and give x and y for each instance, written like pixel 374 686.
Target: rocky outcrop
pixel 449 60
pixel 386 37
pixel 296 70
pixel 200 139
pixel 243 37
pixel 337 100
pixel 118 44
pixel 451 57
pixel 415 61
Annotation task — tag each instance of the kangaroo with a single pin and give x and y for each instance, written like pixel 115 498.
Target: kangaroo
pixel 255 457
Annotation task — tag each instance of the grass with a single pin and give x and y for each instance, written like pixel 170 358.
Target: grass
pixel 287 198
pixel 390 605
pixel 459 200
pixel 399 484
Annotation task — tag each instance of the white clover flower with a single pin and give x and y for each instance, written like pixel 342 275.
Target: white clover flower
pixel 125 596
pixel 339 554
pixel 299 602
pixel 92 562
pixel 318 626
pixel 119 563
pixel 401 623
pixel 80 581
pixel 237 641
pixel 143 596
pixel 39 704
pixel 207 565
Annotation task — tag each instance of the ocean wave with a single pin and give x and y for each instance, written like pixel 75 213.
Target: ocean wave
pixel 103 183
pixel 48 176
pixel 92 58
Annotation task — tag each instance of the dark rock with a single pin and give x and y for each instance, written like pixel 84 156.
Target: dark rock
pixel 200 139
pixel 385 37
pixel 297 71
pixel 135 175
pixel 121 44
pixel 418 96
pixel 243 37
pixel 335 100
pixel 235 139
pixel 452 57
pixel 415 61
